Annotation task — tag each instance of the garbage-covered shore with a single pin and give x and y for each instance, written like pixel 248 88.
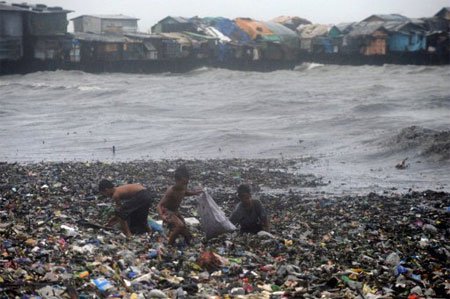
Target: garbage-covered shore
pixel 319 245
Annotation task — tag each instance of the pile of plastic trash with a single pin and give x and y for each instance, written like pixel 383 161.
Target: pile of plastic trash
pixel 54 244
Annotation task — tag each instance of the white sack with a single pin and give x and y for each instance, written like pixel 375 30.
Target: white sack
pixel 212 219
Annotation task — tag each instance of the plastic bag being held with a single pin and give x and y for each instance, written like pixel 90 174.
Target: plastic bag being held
pixel 212 218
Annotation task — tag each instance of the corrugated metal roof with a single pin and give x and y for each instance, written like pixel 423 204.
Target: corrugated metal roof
pixel 404 27
pixel 312 30
pixel 108 17
pixel 39 8
pixel 231 30
pixel 253 28
pixel 366 28
pixel 180 37
pixel 92 37
pixel 447 8
pixel 286 35
pixel 280 29
pixel 180 19
pixel 388 17
pixel 345 27
pixel 8 7
pixel 290 22
pixel 435 24
pixel 211 20
pixel 200 36
pixel 141 35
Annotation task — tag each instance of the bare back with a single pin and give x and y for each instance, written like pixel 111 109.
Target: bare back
pixel 127 191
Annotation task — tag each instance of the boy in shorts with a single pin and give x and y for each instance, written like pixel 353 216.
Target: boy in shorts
pixel 168 207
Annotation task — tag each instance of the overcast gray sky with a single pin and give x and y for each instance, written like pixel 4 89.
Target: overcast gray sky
pixel 317 11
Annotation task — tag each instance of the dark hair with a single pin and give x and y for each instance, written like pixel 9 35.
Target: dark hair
pixel 243 189
pixel 181 173
pixel 105 184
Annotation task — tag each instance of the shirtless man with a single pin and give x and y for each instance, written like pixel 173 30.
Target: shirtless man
pixel 168 207
pixel 132 202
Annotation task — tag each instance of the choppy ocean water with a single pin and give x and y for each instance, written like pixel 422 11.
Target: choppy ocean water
pixel 356 123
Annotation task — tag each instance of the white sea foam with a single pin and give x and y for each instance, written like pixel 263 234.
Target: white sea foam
pixel 339 114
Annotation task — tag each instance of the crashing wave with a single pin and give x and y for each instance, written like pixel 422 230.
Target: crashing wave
pixel 307 66
pixel 428 143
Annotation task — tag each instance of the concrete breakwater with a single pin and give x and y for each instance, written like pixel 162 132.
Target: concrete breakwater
pixel 186 65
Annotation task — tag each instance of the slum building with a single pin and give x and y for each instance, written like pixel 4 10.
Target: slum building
pixel 250 44
pixel 444 13
pixel 203 46
pixel 113 43
pixel 45 33
pixel 100 38
pixel 226 42
pixel 291 22
pixel 406 36
pixel 368 38
pixel 276 42
pixel 105 24
pixel 156 47
pixel 288 40
pixel 99 48
pixel 194 43
pixel 337 34
pixel 130 52
pixel 378 39
pixel 174 24
pixel 11 32
pixel 438 34
pixel 32 37
pixel 37 33
pixel 234 44
pixel 312 38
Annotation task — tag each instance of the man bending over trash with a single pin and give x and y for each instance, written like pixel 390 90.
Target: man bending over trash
pixel 249 213
pixel 168 207
pixel 132 203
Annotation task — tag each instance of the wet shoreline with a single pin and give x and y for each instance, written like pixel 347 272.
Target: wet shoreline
pixel 381 245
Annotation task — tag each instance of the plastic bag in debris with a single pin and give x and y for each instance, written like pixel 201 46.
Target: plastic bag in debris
pixel 212 218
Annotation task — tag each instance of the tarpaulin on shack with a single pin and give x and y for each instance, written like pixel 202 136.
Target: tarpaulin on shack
pixel 200 37
pixel 211 31
pixel 181 38
pixel 231 30
pixel 291 22
pixel 312 30
pixel 286 35
pixel 108 47
pixel 255 29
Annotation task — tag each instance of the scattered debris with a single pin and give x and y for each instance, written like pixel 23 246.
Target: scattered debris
pixel 402 164
pixel 54 244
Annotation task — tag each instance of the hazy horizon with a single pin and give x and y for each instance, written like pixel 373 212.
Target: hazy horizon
pixel 317 11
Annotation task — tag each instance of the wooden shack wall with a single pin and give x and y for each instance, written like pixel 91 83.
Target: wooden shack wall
pixel 377 44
